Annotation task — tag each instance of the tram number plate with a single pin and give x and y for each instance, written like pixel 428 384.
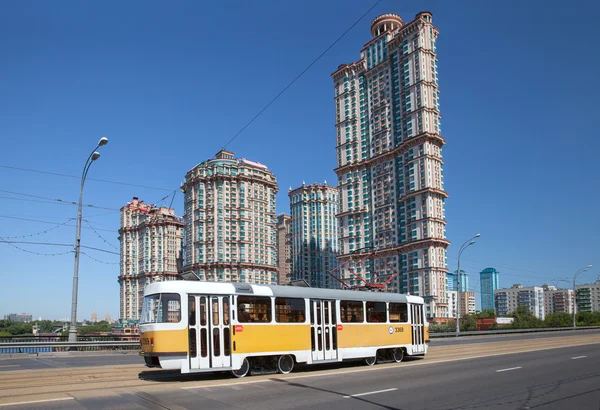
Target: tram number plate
pixel 398 329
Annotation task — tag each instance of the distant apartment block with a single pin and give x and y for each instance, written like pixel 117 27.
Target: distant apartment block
pixel 315 247
pixel 389 157
pixel 509 299
pixel 230 221
pixel 18 317
pixel 558 300
pixel 466 305
pixel 151 241
pixel 588 297
pixel 284 248
pixel 489 280
pixel 94 317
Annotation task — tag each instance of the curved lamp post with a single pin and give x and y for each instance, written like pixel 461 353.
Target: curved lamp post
pixel 93 157
pixel 462 248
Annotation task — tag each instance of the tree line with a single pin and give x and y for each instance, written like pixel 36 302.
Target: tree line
pixel 10 328
pixel 523 319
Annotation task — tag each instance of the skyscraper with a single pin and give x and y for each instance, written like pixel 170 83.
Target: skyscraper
pixel 488 279
pixel 284 248
pixel 315 248
pixel 389 158
pixel 150 240
pixel 230 222
pixel 464 280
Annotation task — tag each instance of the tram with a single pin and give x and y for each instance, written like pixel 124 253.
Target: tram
pixel 196 326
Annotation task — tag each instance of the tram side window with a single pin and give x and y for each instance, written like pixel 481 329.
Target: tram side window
pixel 352 311
pixel 254 309
pixel 376 312
pixel 398 312
pixel 290 310
pixel 161 308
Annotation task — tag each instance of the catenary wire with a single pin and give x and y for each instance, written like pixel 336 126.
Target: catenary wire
pixel 300 75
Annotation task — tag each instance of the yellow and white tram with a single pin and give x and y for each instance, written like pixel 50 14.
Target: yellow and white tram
pixel 209 326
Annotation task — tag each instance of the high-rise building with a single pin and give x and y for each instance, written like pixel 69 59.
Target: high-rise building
pixel 558 300
pixel 451 278
pixel 18 317
pixel 489 279
pixel 389 146
pixel 313 209
pixel 107 317
pixel 284 248
pixel 94 317
pixel 588 297
pixel 151 240
pixel 230 221
pixel 509 299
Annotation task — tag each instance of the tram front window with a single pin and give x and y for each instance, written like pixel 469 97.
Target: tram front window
pixel 161 308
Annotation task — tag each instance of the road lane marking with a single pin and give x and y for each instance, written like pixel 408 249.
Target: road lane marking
pixel 369 393
pixel 419 362
pixel 510 368
pixel 577 357
pixel 11 365
pixel 36 401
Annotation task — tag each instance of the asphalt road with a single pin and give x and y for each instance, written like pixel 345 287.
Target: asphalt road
pixel 561 378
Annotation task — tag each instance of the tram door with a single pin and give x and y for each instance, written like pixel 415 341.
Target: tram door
pixel 209 332
pixel 418 328
pixel 323 327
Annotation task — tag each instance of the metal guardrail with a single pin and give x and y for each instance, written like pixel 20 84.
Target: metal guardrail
pixel 49 347
pixel 509 331
pixel 44 346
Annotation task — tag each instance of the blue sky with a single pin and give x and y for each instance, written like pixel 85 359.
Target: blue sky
pixel 170 84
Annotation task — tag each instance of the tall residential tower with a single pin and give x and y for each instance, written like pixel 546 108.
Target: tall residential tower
pixel 151 241
pixel 489 279
pixel 389 147
pixel 284 248
pixel 230 223
pixel 314 233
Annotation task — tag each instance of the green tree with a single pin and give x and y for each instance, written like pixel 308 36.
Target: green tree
pixel 485 314
pixel 467 323
pixel 524 319
pixel 558 319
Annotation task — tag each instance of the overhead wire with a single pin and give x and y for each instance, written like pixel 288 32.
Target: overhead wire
pixel 100 236
pixel 79 177
pixel 48 222
pixel 98 260
pixel 38 233
pixel 300 75
pixel 61 201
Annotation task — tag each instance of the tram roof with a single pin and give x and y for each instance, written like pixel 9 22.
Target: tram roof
pixel 202 287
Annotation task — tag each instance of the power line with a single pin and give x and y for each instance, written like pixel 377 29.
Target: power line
pixel 98 260
pixel 58 244
pixel 100 236
pixel 38 233
pixel 78 177
pixel 34 253
pixel 48 222
pixel 100 250
pixel 61 201
pixel 300 75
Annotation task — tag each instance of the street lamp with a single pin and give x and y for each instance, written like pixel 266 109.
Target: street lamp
pixel 462 248
pixel 93 157
pixel 574 294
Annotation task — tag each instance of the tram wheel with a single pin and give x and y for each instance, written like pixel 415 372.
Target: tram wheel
pixel 243 371
pixel 370 361
pixel 398 355
pixel 285 364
